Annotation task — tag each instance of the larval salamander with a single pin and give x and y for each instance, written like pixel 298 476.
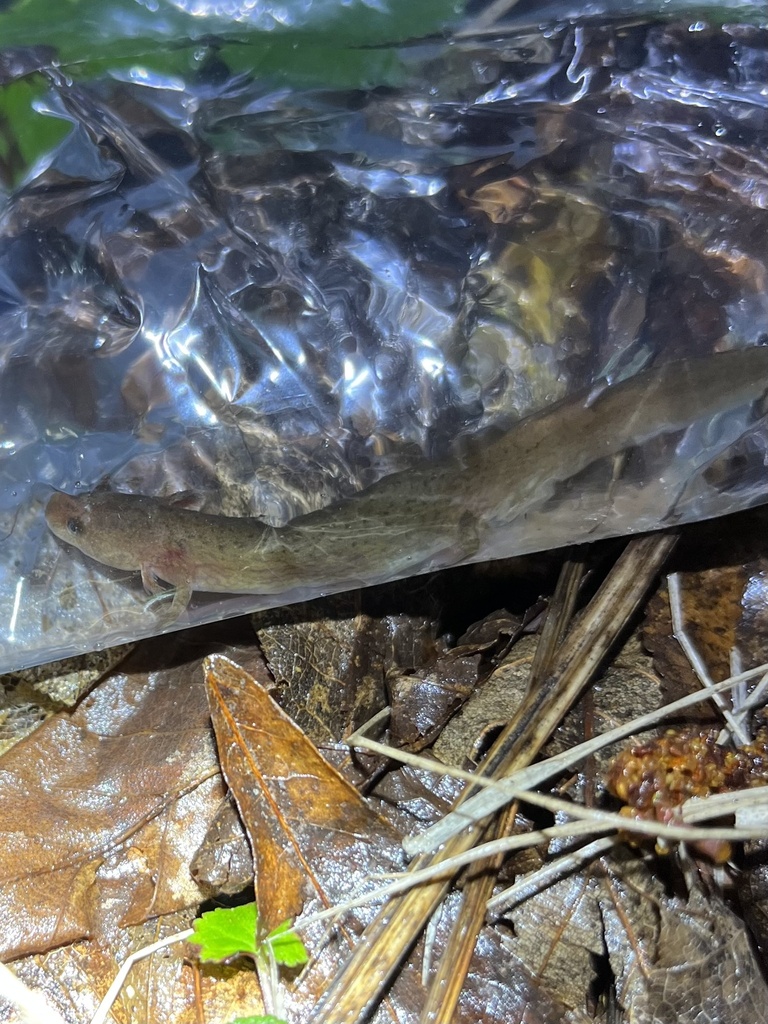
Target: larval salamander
pixel 435 513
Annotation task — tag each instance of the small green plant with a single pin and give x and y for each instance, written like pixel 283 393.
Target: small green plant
pixel 230 932
pixel 259 1019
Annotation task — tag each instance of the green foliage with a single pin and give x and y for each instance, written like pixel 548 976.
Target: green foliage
pixel 231 931
pixel 25 135
pixel 346 44
pixel 93 36
pixel 227 932
pixel 258 1019
pixel 286 946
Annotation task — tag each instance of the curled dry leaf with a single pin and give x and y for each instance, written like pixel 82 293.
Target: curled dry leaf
pixel 491 706
pixel 223 863
pixel 423 703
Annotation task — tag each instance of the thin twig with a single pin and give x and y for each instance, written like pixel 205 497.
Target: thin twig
pixel 696 661
pixel 497 793
pixel 587 821
pixel 388 939
pixel 536 881
pixel 114 989
pixel 749 806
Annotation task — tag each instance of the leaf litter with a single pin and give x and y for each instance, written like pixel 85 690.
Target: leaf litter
pixel 105 809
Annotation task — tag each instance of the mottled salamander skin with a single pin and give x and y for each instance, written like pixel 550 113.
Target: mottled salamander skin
pixel 409 519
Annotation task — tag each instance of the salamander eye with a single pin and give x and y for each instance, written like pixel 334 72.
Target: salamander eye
pixel 75 526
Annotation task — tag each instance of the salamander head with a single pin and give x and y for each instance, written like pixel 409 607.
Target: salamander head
pixel 112 528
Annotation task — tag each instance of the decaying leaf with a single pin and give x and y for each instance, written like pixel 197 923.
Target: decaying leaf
pixel 310 830
pixel 752 887
pixel 423 703
pixel 721 575
pixel 678 959
pixel 711 611
pixel 491 706
pixel 101 810
pixel 558 935
pixel 627 689
pixel 674 957
pixel 165 988
pixel 30 696
pixel 330 658
pixel 224 862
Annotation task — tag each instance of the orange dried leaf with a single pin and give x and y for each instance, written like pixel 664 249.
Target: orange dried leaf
pixel 310 829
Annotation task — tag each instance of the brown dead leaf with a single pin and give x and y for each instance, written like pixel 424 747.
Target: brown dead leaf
pixel 165 988
pixel 224 862
pixel 493 704
pixel 101 810
pixel 330 657
pixel 495 630
pixel 675 958
pixel 422 703
pixel 711 604
pixel 309 828
pixel 678 960
pixel 628 688
pixel 722 575
pixel 313 834
pixel 557 935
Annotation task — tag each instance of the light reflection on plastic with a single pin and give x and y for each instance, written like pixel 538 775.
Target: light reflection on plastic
pixel 432 365
pixel 16 606
pixel 754 592
pixel 355 378
pixel 185 342
pixel 156 338
pixel 143 76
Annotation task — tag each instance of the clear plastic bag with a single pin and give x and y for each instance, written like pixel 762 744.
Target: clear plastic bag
pixel 507 293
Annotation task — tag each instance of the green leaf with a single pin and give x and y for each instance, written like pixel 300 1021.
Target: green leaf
pixel 287 948
pixel 226 932
pixel 25 135
pixel 259 1019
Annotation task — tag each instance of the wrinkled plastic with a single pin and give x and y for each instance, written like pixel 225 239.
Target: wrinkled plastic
pixel 267 298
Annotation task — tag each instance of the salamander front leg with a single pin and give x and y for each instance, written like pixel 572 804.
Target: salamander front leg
pixel 180 594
